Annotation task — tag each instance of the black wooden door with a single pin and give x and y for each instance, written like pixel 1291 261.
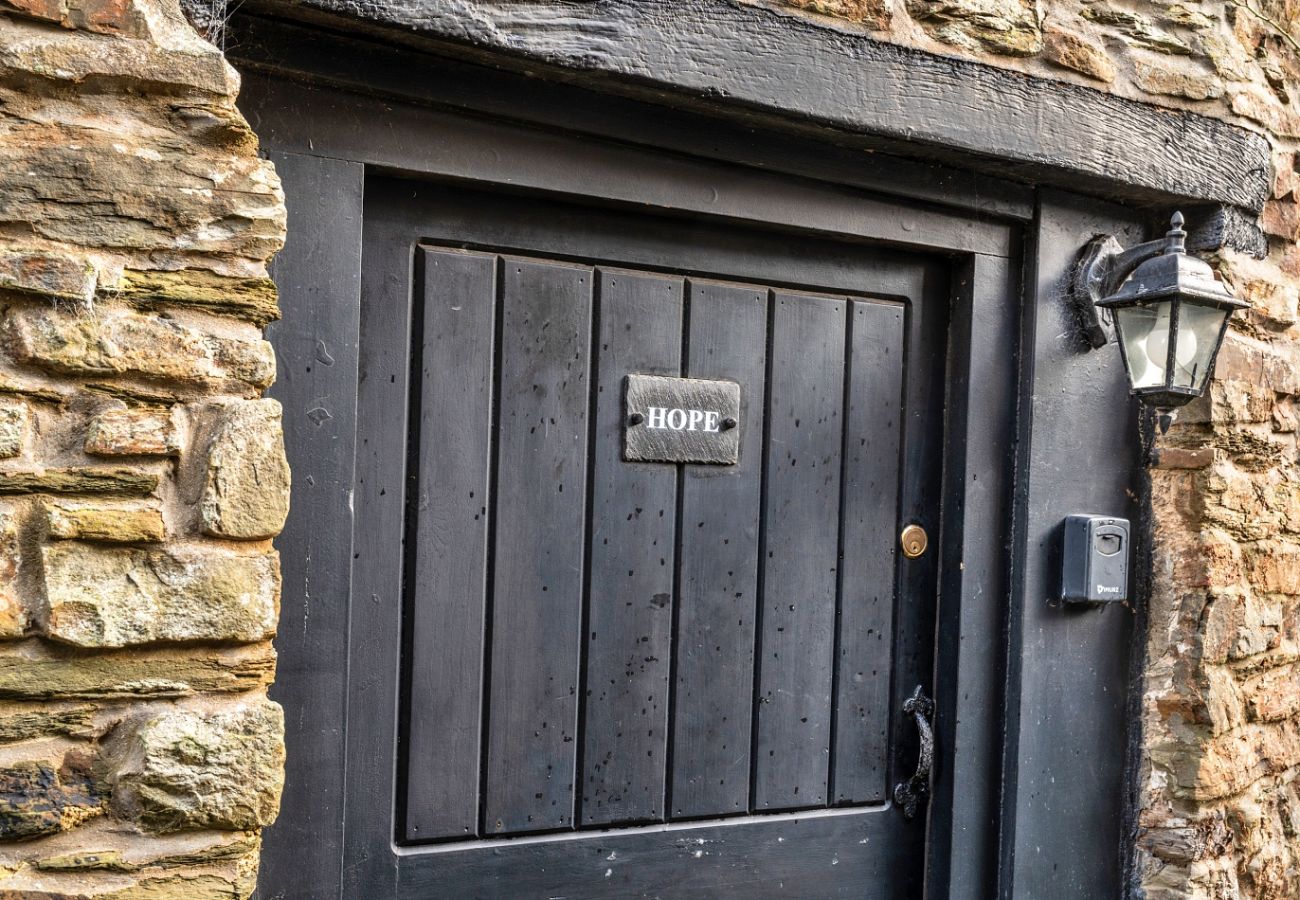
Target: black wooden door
pixel 646 679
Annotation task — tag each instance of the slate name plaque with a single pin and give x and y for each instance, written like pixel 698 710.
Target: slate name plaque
pixel 681 420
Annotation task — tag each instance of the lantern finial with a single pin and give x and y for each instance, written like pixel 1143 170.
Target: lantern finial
pixel 1176 236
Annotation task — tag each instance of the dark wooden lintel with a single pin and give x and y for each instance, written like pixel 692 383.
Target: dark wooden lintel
pixel 765 66
pixel 1219 227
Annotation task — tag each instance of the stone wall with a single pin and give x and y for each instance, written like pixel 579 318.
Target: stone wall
pixel 141 477
pixel 1221 698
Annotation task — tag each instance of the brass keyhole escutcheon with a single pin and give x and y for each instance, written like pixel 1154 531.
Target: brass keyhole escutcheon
pixel 914 541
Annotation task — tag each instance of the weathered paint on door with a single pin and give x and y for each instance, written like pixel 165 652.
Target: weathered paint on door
pixel 592 643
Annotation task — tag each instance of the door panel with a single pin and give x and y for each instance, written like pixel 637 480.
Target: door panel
pixel 452 397
pixel 864 654
pixel 801 519
pixel 629 629
pixel 718 578
pixel 539 549
pixel 706 659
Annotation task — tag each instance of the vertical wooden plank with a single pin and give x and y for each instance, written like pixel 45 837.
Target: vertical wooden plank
pixel 980 449
pixel 800 549
pixel 718 579
pixel 379 494
pixel 318 274
pixel 1070 686
pixel 540 509
pixel 633 525
pixel 865 631
pixel 447 542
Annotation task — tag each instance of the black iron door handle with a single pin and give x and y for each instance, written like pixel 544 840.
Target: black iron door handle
pixel 912 793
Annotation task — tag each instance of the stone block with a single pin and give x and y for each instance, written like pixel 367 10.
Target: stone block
pixel 1227 56
pixel 246 487
pixel 1183 457
pixel 192 849
pixel 1273 303
pixel 127 523
pixel 86 861
pixel 1224 708
pixel 103 16
pixel 1251 452
pixel 1233 501
pixel 1186 17
pixel 180 198
pixel 1157 77
pixel 29 391
pixel 1260 105
pixel 47 275
pixel 15 420
pixel 38 799
pixel 1287 259
pixel 1283 417
pixel 1274 567
pixel 1136 29
pixel 1219 561
pixel 46 10
pixel 254 299
pixel 38 670
pixel 1283 500
pixel 47 721
pixel 118 865
pixel 79 480
pixel 1281 218
pixel 1235 401
pixel 108 17
pixel 133 431
pixel 102 597
pixel 1273 694
pixel 127 343
pixel 1284 175
pixel 230 882
pixel 872 13
pixel 63 54
pixel 1232 762
pixel 1077 53
pixel 1272 365
pixel 13 612
pixel 184 770
pixel 1238 625
pixel 1189 842
pixel 1006 27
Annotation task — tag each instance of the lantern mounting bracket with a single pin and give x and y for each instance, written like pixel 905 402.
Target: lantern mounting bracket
pixel 1105 266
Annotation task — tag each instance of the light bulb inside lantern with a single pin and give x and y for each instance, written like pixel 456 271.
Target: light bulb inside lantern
pixel 1147 335
pixel 1157 343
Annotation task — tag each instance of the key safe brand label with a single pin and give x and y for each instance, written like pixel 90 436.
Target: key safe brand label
pixel 689 420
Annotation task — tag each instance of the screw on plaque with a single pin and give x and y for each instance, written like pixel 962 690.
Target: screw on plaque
pixel 635 419
pixel 729 423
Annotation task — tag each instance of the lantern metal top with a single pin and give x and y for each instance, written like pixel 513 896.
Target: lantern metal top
pixel 1171 272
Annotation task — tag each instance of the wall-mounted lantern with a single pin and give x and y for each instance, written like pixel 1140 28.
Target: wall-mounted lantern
pixel 1169 311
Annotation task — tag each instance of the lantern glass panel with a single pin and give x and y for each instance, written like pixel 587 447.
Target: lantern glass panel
pixel 1198 335
pixel 1144 328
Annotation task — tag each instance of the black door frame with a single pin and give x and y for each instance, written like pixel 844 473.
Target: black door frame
pixel 329 111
